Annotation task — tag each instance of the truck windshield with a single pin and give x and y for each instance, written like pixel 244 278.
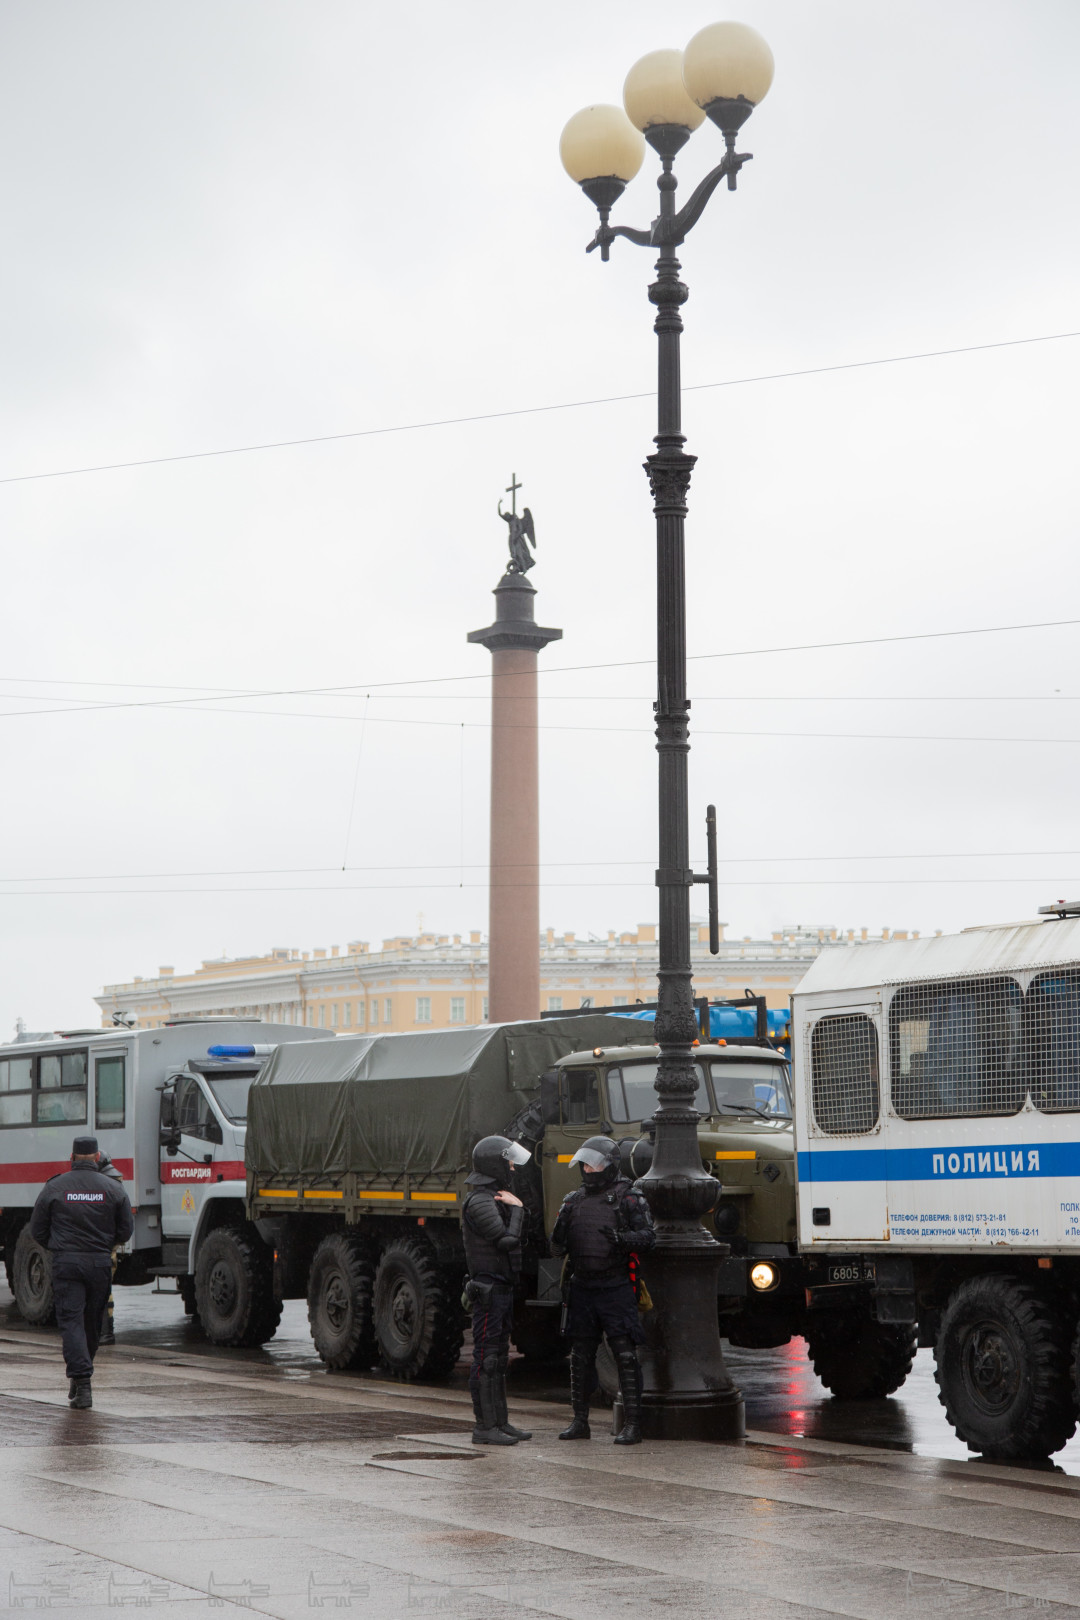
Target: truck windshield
pixel 759 1088
pixel 231 1093
pixel 631 1095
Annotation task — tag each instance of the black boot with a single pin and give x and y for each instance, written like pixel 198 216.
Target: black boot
pixel 73 1385
pixel 630 1385
pixel 82 1400
pixel 500 1404
pixel 108 1335
pixel 581 1366
pixel 488 1431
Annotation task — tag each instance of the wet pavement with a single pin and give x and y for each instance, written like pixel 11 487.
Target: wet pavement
pixel 259 1483
pixel 781 1393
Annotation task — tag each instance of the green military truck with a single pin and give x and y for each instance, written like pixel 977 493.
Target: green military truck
pixel 357 1153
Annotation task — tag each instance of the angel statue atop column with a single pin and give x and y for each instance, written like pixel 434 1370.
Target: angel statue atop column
pixel 522 533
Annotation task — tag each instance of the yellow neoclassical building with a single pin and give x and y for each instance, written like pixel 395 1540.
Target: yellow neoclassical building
pixel 415 982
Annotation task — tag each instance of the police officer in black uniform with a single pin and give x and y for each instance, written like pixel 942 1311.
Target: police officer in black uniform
pixel 80 1216
pixel 600 1226
pixel 492 1224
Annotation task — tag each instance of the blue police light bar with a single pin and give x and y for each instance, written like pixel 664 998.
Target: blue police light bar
pixel 239 1051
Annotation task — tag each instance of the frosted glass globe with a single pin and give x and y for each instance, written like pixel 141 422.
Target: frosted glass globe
pixel 727 60
pixel 654 93
pixel 601 141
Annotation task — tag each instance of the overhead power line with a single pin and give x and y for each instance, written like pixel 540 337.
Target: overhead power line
pixel 362 688
pixel 525 410
pixel 628 883
pixel 545 866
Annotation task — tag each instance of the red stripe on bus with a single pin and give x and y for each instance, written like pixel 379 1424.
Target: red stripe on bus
pixel 43 1169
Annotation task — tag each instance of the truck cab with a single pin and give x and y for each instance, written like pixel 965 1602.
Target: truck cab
pixel 745 1134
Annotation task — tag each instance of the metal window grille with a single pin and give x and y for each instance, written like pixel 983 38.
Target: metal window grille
pixel 844 1083
pixel 955 1049
pixel 1052 1041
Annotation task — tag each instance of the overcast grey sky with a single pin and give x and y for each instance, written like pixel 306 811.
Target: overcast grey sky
pixel 231 223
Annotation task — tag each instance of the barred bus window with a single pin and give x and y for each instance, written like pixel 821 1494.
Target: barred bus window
pixel 845 1090
pixel 955 1049
pixel 1053 1041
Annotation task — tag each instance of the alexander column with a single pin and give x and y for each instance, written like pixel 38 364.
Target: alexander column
pixel 514 910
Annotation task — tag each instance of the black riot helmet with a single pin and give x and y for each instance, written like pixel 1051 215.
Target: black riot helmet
pixel 493 1159
pixel 600 1161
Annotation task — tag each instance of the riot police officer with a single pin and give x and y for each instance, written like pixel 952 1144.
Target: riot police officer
pixel 492 1223
pixel 80 1216
pixel 601 1226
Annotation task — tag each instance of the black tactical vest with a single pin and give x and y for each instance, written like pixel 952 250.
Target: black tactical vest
pixel 594 1216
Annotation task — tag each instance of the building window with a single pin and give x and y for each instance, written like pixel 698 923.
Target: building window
pixel 388 1011
pixel 361 1009
pixel 423 1009
pixel 322 1016
pixel 586 1001
pixel 457 1009
pixel 554 1004
pixel 311 1015
pixel 334 1015
pixel 484 1013
pixel 619 1001
pixel 374 1014
pixel 346 1016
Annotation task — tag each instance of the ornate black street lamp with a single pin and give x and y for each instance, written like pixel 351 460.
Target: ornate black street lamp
pixel 724 72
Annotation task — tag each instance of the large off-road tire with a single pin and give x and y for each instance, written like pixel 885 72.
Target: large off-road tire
pixel 535 1335
pixel 1003 1370
pixel 32 1280
pixel 419 1323
pixel 234 1292
pixel 858 1359
pixel 341 1283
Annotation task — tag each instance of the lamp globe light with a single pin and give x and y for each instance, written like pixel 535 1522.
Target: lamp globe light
pixel 727 61
pixel 601 143
pixel 654 93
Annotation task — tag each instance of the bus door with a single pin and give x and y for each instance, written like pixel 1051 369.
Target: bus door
pixel 842 1165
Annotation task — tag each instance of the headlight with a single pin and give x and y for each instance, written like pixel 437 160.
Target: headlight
pixel 763 1276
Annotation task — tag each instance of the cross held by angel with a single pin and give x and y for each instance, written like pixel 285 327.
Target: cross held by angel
pixel 522 533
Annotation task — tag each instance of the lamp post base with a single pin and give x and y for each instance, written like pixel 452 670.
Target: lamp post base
pixel 688 1393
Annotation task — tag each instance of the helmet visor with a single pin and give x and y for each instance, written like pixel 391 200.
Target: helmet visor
pixel 591 1159
pixel 516 1153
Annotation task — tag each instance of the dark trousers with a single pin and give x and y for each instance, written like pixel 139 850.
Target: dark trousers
pixel 81 1284
pixel 491 1337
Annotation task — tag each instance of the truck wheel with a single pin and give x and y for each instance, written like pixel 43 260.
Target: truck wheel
pixel 1002 1359
pixel 340 1286
pixel 858 1359
pixel 535 1335
pixel 419 1324
pixel 234 1288
pixel 32 1284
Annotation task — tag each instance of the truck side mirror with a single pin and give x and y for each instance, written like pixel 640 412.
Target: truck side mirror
pixel 549 1097
pixel 169 1139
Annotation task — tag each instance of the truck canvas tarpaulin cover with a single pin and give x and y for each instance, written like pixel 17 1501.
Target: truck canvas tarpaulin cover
pixel 405 1104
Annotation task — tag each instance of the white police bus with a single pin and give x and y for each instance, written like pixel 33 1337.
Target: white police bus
pixel 937 1128
pixel 169 1107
